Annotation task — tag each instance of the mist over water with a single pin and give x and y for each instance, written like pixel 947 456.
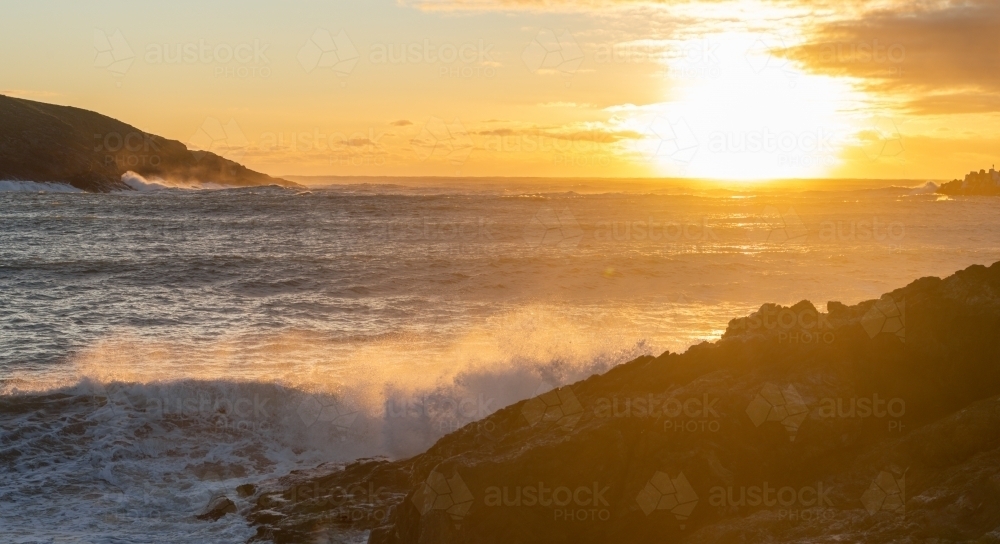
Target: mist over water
pixel 160 347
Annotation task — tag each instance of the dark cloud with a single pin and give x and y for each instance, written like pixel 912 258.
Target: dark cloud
pixel 942 60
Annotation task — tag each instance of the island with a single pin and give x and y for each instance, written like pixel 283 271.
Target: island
pixel 60 144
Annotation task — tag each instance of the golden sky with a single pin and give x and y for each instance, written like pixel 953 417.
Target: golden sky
pixel 729 89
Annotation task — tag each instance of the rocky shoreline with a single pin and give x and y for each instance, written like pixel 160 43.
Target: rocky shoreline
pixel 980 183
pixel 876 422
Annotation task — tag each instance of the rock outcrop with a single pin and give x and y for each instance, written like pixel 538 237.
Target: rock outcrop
pixel 217 508
pixel 878 422
pixel 49 143
pixel 981 183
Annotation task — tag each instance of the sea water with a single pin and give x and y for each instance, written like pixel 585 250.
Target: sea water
pixel 160 347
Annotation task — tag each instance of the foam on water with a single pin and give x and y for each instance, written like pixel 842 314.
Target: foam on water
pixel 150 432
pixel 10 186
pixel 141 184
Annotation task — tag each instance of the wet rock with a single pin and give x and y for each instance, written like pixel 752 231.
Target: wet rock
pixel 246 490
pixel 218 507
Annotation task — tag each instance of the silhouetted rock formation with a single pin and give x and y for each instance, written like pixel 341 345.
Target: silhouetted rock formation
pixel 876 422
pixel 975 183
pixel 49 143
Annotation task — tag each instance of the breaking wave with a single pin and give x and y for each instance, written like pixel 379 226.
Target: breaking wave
pixel 142 184
pixel 8 186
pixel 149 433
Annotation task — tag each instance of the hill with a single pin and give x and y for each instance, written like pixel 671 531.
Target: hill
pixel 48 143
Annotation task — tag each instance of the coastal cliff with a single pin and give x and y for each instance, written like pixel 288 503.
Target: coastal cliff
pixel 875 422
pixel 48 143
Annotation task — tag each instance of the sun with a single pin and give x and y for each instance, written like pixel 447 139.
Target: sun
pixel 738 110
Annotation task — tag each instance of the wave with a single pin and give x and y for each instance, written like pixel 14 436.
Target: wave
pixel 928 188
pixel 10 186
pixel 403 391
pixel 148 432
pixel 151 185
pixel 142 184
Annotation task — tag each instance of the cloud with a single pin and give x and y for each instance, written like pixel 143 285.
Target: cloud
pixel 497 5
pixel 401 123
pixel 941 57
pixel 590 5
pixel 971 101
pixel 592 135
pixel 564 105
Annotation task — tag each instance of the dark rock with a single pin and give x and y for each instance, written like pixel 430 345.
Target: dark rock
pixel 218 507
pixel 836 309
pixel 343 500
pixel 883 430
pixel 246 490
pixel 981 183
pixel 49 143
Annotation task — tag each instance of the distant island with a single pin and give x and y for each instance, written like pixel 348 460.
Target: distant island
pixel 47 143
pixel 975 183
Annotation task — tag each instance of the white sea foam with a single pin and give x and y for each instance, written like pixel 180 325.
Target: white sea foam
pixel 9 186
pixel 927 188
pixel 150 432
pixel 142 184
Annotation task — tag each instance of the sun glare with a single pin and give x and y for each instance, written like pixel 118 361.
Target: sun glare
pixel 738 110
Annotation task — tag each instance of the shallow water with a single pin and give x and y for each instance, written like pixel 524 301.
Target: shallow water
pixel 160 347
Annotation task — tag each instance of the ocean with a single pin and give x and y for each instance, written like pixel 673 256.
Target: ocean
pixel 160 347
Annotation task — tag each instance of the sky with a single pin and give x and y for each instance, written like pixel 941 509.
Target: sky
pixel 720 89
